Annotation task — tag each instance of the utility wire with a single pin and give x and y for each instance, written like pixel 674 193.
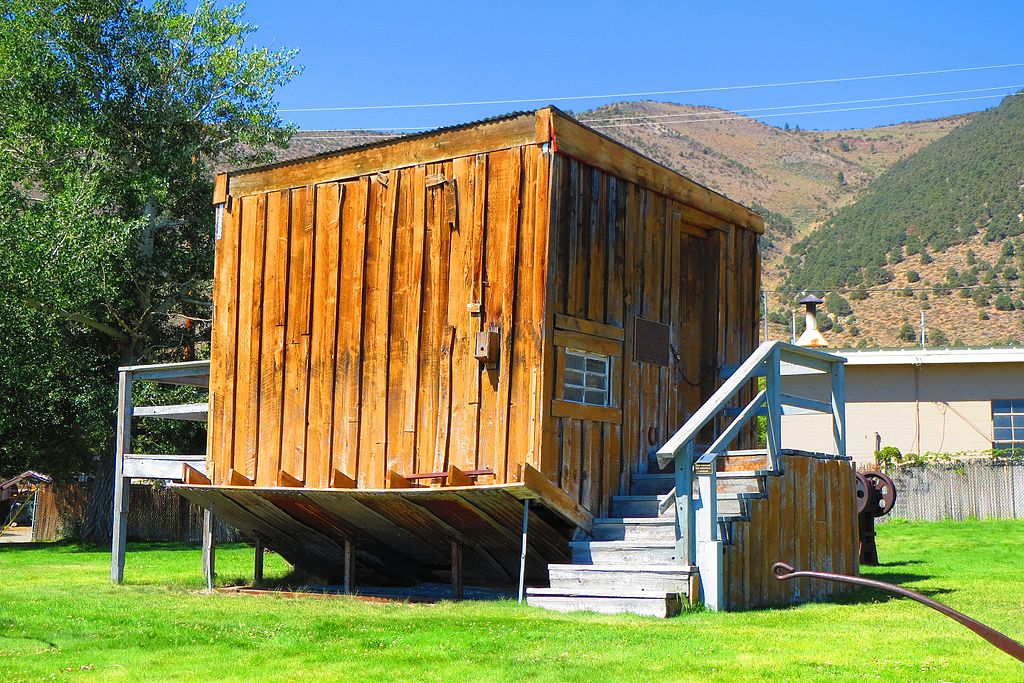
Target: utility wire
pixel 604 119
pixel 806 113
pixel 726 116
pixel 819 81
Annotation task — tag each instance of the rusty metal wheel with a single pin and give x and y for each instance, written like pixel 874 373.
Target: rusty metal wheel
pixel 886 489
pixel 862 492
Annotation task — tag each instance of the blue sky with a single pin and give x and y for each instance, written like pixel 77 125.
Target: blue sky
pixel 379 53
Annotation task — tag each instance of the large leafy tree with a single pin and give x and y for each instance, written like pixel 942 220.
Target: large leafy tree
pixel 111 115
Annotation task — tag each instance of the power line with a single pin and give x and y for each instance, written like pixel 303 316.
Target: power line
pixel 797 106
pixel 723 88
pixel 725 117
pixel 808 113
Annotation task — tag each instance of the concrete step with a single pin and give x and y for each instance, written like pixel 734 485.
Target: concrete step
pixel 633 577
pixel 650 605
pixel 623 552
pixel 634 529
pixel 637 506
pixel 651 484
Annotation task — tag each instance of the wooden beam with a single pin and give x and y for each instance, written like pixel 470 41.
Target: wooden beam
pixel 457 586
pixel 209 547
pixel 190 475
pixel 588 342
pixel 193 412
pixel 576 140
pixel 537 486
pixel 426 148
pixel 581 411
pixel 122 485
pixel 457 477
pixel 397 481
pixel 236 478
pixel 574 324
pixel 349 569
pixel 340 480
pixel 220 188
pixel 257 571
pixel 286 480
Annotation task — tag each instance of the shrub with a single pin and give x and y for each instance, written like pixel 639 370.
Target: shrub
pixel 913 276
pixel 837 305
pixel 906 333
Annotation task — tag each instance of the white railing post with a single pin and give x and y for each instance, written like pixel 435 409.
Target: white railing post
pixel 709 546
pixel 685 540
pixel 119 537
pixel 838 376
pixel 773 396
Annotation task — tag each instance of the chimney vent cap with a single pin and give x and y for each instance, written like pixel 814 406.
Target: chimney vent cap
pixel 811 299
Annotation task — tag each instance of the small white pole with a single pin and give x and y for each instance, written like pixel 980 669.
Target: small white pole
pixel 522 554
pixel 792 335
pixel 922 330
pixel 764 302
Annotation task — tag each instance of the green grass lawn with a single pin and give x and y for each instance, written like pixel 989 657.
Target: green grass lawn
pixel 60 618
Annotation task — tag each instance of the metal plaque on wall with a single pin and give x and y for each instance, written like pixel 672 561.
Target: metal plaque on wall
pixel 651 342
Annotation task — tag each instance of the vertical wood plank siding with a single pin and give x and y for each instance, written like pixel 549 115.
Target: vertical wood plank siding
pixel 621 251
pixel 816 498
pixel 347 313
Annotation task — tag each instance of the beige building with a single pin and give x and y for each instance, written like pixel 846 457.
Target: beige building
pixel 918 400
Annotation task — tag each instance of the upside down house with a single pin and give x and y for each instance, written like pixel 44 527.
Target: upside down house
pixel 512 350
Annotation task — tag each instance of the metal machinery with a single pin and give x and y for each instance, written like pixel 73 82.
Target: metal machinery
pixel 876 496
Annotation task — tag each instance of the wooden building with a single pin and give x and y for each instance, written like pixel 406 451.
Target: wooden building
pixel 413 337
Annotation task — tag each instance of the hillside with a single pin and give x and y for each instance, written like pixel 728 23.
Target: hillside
pixel 795 173
pixel 968 183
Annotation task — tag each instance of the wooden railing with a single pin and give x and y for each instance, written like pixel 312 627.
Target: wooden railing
pixel 697 539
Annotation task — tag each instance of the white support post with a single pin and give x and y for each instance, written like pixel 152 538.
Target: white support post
pixel 522 552
pixel 685 536
pixel 838 374
pixel 709 546
pixel 773 400
pixel 257 569
pixel 209 547
pixel 122 486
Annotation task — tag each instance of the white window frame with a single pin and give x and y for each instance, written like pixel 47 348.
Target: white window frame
pixel 1014 414
pixel 571 385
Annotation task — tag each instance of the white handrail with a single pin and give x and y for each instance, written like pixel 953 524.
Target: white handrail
pixel 700 543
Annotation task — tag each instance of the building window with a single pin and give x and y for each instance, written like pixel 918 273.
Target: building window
pixel 587 378
pixel 1008 425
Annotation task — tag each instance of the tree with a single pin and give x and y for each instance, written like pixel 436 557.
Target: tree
pixel 1004 302
pixel 913 276
pixel 906 332
pixel 936 337
pixel 110 116
pixel 837 305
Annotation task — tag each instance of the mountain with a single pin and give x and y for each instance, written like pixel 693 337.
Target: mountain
pixel 971 182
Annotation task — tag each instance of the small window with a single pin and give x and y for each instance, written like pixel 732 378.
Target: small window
pixel 1008 425
pixel 587 378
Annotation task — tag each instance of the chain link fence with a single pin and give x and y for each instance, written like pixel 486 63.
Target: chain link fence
pixel 968 489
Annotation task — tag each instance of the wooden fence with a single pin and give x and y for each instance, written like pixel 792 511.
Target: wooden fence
pixel 971 489
pixel 155 515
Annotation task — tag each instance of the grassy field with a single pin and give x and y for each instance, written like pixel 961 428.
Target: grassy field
pixel 61 619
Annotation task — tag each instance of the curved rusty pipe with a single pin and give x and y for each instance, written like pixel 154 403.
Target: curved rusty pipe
pixel 784 572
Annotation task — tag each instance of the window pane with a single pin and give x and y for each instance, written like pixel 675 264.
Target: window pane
pixel 596 365
pixel 1001 406
pixel 574 394
pixel 573 377
pixel 1018 422
pixel 595 398
pixel 1003 434
pixel 573 360
pixel 1001 421
pixel 598 382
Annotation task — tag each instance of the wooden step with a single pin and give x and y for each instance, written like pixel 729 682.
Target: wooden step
pixel 638 506
pixel 651 484
pixel 623 552
pixel 649 605
pixel 633 577
pixel 634 529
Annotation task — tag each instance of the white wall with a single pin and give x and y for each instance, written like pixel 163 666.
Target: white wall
pixel 930 407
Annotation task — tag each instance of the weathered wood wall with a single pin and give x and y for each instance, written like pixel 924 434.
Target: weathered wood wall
pixel 620 251
pixel 350 289
pixel 346 318
pixel 808 520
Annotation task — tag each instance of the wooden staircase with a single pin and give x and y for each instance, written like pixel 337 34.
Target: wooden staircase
pixel 630 563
